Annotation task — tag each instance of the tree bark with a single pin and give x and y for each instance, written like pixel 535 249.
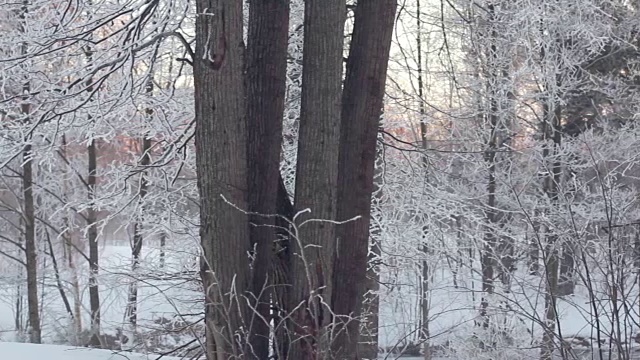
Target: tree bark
pixel 362 103
pixel 368 343
pixel 94 266
pixel 317 175
pixel 59 285
pixel 266 85
pixel 551 131
pixel 131 312
pixel 70 255
pixel 31 248
pixel 221 163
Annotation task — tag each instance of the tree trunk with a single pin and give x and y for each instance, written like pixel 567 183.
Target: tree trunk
pixel 59 285
pixel 362 103
pixel 31 248
pixel 163 245
pixel 368 343
pixel 70 255
pixel 94 266
pixel 551 130
pixel 221 163
pixel 266 85
pixel 281 271
pixel 566 280
pixel 131 313
pixel 317 176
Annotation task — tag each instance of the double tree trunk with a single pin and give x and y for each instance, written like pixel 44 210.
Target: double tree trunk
pixel 266 85
pixel 222 173
pixel 317 176
pixel 362 102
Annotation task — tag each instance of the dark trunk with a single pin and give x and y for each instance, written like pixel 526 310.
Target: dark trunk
pixel 266 84
pixel 368 344
pixel 362 102
pixel 60 286
pixel 566 281
pixel 31 248
pixel 221 162
pixel 163 245
pixel 281 272
pixel 551 131
pixel 94 266
pixel 317 176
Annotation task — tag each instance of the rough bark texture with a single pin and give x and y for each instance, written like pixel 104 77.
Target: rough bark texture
pixel 222 173
pixel 266 85
pixel 368 342
pixel 281 271
pixel 317 174
pixel 362 103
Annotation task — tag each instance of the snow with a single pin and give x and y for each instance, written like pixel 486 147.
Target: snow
pixel 21 351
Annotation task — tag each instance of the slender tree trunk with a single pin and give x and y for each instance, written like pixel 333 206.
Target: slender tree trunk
pixel 70 255
pixel 551 132
pixel 317 176
pixel 94 266
pixel 488 256
pixel 131 312
pixel 60 286
pixel 31 247
pixel 425 275
pixel 566 280
pixel 163 245
pixel 534 248
pixel 266 80
pixel 221 163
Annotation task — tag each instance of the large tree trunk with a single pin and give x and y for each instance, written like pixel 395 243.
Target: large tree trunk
pixel 317 175
pixel 266 85
pixel 368 343
pixel 222 173
pixel 362 103
pixel 281 272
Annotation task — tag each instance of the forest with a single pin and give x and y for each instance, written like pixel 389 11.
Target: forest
pixel 320 179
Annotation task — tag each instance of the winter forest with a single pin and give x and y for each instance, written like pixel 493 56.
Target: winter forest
pixel 321 179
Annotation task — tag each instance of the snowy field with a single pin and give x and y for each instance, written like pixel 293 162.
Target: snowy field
pixel 18 351
pixel 170 293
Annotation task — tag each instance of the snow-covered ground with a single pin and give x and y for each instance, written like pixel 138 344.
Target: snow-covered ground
pixel 20 351
pixel 452 309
